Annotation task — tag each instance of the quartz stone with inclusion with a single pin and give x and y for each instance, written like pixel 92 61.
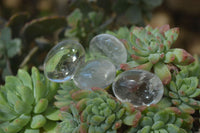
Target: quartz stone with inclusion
pixel 138 87
pixel 64 60
pixel 108 46
pixel 95 73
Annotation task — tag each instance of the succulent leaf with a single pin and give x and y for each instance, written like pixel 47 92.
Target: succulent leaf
pixel 23 99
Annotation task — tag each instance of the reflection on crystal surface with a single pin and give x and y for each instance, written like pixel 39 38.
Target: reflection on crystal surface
pixel 95 73
pixel 63 60
pixel 138 87
pixel 108 46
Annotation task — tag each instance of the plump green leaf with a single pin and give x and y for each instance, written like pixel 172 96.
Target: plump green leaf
pixel 162 71
pixel 26 94
pixel 21 121
pixel 161 116
pixel 157 125
pixel 53 114
pixel 37 121
pixel 25 78
pixel 41 106
pixel 96 119
pixel 22 107
pixel 146 121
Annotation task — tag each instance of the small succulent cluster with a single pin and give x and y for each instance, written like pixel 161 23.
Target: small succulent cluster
pixel 8 49
pixel 182 91
pixel 93 111
pixel 168 120
pixel 150 50
pixel 25 103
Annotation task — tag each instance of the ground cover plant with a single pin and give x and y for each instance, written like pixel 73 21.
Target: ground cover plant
pixel 30 103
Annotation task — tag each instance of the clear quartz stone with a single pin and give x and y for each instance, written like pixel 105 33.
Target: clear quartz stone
pixel 108 46
pixel 63 60
pixel 95 73
pixel 138 87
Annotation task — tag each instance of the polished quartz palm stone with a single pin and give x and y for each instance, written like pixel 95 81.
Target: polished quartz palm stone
pixel 108 46
pixel 95 73
pixel 138 87
pixel 64 60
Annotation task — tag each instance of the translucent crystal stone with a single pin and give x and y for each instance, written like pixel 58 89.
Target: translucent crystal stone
pixel 63 60
pixel 138 87
pixel 95 73
pixel 108 46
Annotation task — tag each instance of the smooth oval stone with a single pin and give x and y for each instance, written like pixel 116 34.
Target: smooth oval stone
pixel 63 60
pixel 108 46
pixel 95 73
pixel 138 87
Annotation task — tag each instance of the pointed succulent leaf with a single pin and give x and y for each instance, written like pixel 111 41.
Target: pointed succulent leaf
pixel 182 57
pixel 161 116
pixel 22 108
pixel 146 121
pixel 52 114
pixel 25 78
pixel 186 108
pixel 41 106
pixel 21 121
pixel 96 119
pixel 162 71
pixel 196 93
pixel 12 82
pixel 172 128
pixel 26 94
pixel 157 125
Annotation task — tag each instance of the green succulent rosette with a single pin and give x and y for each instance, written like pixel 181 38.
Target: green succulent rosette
pixel 159 120
pixel 183 91
pixel 93 111
pixel 150 49
pixel 26 103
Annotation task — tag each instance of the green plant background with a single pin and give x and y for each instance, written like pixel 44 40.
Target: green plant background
pixel 29 29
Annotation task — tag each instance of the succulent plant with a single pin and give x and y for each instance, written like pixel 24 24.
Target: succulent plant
pixel 93 111
pixel 150 50
pixel 25 103
pixel 168 120
pixel 83 26
pixel 182 91
pixel 8 49
pixel 193 69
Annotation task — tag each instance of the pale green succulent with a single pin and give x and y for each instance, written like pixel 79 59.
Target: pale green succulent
pixel 93 111
pixel 25 103
pixel 168 120
pixel 182 91
pixel 150 49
